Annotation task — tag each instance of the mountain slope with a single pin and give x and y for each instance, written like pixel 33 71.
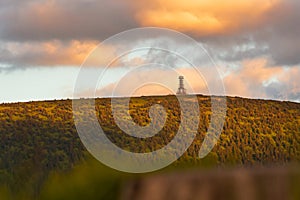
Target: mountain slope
pixel 40 137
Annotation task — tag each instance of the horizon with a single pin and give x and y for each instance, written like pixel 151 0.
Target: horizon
pixel 107 97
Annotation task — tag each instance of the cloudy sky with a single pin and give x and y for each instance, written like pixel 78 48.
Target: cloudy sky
pixel 255 43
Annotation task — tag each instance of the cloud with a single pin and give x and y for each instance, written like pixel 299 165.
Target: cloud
pixel 287 86
pixel 248 79
pixel 206 18
pixel 255 79
pixel 234 30
pixel 282 33
pixel 64 20
pixel 51 53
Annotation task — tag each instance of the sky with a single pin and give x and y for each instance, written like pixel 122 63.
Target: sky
pixel 255 44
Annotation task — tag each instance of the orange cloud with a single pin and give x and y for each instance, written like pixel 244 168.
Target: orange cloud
pixel 73 53
pixel 205 17
pixel 58 53
pixel 248 80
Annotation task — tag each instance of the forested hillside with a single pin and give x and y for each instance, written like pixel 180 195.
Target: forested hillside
pixel 38 138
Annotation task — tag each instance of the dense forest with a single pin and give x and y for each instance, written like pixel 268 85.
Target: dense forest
pixel 40 138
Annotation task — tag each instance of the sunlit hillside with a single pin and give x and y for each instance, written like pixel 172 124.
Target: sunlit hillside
pixel 39 141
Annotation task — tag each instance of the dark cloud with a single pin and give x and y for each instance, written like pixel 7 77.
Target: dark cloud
pixel 232 51
pixel 277 37
pixel 282 33
pixel 65 20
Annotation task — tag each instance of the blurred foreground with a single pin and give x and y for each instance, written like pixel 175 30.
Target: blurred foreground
pixel 92 180
pixel 241 184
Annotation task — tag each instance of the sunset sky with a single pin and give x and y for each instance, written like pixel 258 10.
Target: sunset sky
pixel 255 43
